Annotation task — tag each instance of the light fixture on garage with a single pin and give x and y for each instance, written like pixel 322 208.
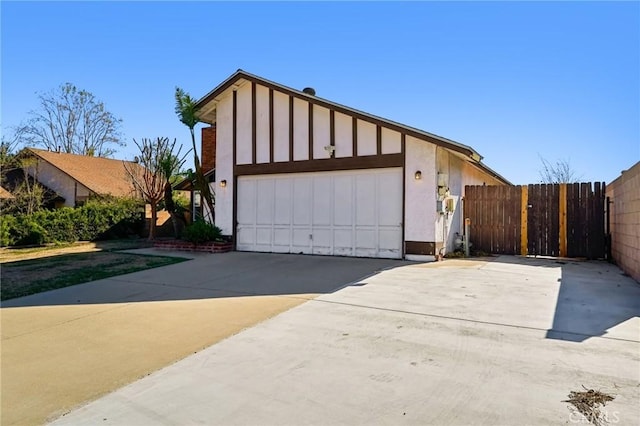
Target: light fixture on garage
pixel 418 175
pixel 223 184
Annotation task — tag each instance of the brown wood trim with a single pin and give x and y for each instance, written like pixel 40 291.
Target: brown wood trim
pixel 322 165
pixel 310 131
pixel 270 125
pixel 332 131
pixel 354 135
pixel 379 139
pixel 234 126
pixel 403 143
pixel 254 120
pixel 290 128
pixel 234 137
pixel 404 203
pixel 234 231
pixel 452 145
pixel 420 248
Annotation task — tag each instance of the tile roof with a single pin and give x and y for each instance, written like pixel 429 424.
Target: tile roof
pixel 100 175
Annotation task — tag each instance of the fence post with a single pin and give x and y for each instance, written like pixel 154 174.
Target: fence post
pixel 467 227
pixel 562 209
pixel 524 209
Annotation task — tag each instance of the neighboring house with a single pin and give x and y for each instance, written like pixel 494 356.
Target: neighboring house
pixel 296 173
pixel 76 177
pixel 15 177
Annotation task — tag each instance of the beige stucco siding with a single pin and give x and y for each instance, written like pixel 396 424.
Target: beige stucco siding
pixel 59 182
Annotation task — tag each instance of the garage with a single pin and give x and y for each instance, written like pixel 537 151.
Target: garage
pixel 344 213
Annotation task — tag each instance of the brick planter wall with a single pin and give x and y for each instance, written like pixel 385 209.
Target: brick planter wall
pixel 187 246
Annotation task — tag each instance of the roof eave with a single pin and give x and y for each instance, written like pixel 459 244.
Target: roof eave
pixel 408 130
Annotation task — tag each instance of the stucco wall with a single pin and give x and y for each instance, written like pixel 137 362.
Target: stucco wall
pixel 624 192
pixel 224 165
pixel 459 173
pixel 420 196
pixel 60 182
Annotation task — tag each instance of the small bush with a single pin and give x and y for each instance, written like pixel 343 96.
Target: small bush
pixel 202 232
pixel 7 230
pixel 99 218
pixel 31 232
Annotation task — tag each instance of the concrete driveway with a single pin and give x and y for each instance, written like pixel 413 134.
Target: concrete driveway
pixel 66 347
pixel 451 343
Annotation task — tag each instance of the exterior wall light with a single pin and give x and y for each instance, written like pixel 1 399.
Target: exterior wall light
pixel 223 184
pixel 418 175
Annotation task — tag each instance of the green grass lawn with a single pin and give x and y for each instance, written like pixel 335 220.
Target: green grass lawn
pixel 26 277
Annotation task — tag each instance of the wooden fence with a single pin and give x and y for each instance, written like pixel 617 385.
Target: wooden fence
pixel 544 219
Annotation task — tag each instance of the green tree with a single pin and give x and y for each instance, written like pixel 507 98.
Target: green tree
pixel 73 121
pixel 187 113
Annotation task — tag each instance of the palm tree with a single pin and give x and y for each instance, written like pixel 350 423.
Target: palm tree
pixel 187 113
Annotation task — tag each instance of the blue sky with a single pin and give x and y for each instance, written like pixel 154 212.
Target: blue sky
pixel 514 80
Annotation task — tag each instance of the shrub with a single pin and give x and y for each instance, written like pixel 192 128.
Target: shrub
pixel 98 218
pixel 7 230
pixel 30 232
pixel 201 232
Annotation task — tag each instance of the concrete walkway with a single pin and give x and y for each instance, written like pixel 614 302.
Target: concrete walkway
pixel 70 346
pixel 451 343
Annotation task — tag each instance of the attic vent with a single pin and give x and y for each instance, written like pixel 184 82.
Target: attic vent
pixel 309 91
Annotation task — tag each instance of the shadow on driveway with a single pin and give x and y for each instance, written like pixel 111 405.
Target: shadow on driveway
pixel 593 297
pixel 220 275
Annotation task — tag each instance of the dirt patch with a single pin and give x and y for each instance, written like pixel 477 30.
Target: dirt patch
pixel 588 403
pixel 27 277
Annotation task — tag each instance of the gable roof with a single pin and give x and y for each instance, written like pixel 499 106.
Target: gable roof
pixel 206 113
pixel 100 175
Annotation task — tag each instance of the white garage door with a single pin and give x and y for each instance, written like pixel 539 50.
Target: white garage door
pixel 349 213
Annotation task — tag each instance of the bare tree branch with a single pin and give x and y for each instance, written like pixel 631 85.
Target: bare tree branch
pixel 560 172
pixel 73 121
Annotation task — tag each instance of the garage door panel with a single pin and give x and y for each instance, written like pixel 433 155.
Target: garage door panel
pixel 343 200
pixel 302 200
pixel 389 196
pixel 245 238
pixel 365 200
pixel 343 242
pixel 282 236
pixel 265 202
pixel 345 213
pixel 387 239
pixel 322 201
pixel 300 238
pixel 246 197
pixel 264 236
pixel 283 202
pixel 365 238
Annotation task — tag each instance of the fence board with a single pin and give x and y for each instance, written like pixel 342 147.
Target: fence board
pixel 496 216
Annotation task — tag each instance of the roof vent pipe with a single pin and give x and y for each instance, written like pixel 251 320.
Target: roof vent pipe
pixel 309 91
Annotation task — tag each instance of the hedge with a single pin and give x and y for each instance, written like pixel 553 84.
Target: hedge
pixel 98 218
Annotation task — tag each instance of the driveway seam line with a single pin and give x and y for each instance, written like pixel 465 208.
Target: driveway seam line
pixel 471 320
